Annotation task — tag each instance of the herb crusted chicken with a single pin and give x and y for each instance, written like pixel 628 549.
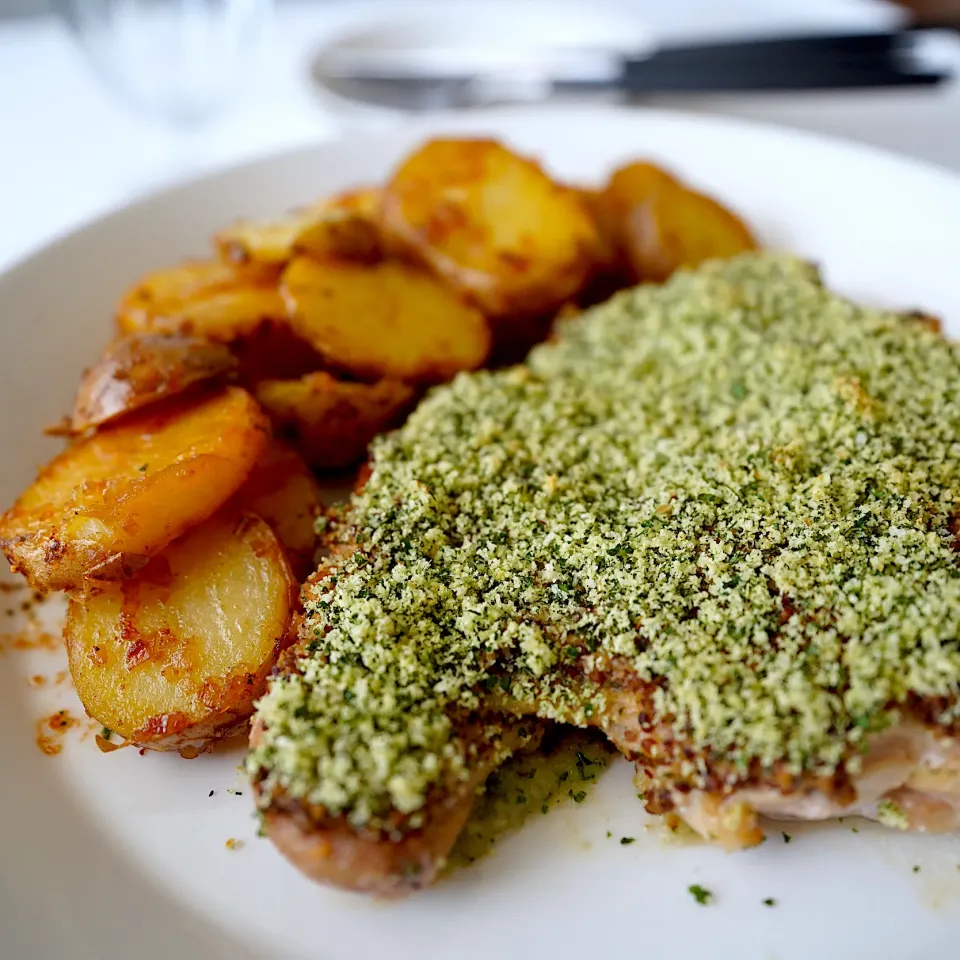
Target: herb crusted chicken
pixel 715 518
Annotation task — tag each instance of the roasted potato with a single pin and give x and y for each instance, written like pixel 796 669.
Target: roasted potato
pixel 282 491
pixel 273 351
pixel 348 228
pixel 239 306
pixel 661 225
pixel 136 371
pixel 207 299
pixel 386 319
pixel 609 247
pixel 678 227
pixel 627 188
pixel 343 226
pixel 265 241
pixel 176 655
pixel 492 224
pixel 106 504
pixel 329 421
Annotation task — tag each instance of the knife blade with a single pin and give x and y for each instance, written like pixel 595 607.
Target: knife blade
pixel 432 78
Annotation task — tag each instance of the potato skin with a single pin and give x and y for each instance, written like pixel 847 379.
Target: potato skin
pixel 177 654
pixel 106 504
pixel 383 320
pixel 331 422
pixel 492 224
pixel 348 228
pixel 343 225
pixel 136 371
pixel 237 305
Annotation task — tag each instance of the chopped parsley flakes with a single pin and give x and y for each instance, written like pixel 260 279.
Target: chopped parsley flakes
pixel 700 894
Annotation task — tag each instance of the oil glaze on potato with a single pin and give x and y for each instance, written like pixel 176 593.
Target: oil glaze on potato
pixel 348 228
pixel 265 241
pixel 630 186
pixel 139 370
pixel 659 224
pixel 609 252
pixel 209 299
pixel 329 421
pixel 282 490
pixel 343 225
pixel 176 654
pixel 492 224
pixel 387 319
pixel 107 503
pixel 679 227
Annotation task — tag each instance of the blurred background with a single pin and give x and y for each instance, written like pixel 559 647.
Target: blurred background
pixel 101 100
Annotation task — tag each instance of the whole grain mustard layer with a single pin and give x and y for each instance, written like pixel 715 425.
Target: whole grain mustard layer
pixel 737 481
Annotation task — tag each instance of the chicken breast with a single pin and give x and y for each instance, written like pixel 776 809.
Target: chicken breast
pixel 717 519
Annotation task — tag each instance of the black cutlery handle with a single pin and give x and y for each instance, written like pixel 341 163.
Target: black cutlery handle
pixel 792 63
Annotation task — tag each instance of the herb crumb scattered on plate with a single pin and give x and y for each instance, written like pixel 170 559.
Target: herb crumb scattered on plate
pixel 702 895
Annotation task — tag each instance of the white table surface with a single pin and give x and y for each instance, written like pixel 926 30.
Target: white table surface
pixel 70 150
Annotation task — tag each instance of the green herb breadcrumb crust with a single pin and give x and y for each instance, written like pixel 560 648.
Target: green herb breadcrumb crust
pixel 737 482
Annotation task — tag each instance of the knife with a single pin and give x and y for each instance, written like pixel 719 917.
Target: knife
pixel 432 78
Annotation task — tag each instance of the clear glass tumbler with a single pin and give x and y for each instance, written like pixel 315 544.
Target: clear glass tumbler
pixel 180 60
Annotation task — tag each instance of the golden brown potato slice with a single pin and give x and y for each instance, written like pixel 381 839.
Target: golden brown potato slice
pixel 265 241
pixel 678 227
pixel 103 506
pixel 235 305
pixel 273 351
pixel 609 254
pixel 282 490
pixel 175 656
pixel 329 421
pixel 628 187
pixel 136 371
pixel 223 316
pixel 386 319
pixel 209 299
pixel 492 224
pixel 348 228
pixel 343 226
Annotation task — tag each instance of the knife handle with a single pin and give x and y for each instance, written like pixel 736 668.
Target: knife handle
pixel 795 63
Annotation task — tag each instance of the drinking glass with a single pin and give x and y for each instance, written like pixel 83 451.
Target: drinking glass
pixel 179 60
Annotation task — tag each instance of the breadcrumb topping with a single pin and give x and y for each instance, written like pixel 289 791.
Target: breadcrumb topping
pixel 738 482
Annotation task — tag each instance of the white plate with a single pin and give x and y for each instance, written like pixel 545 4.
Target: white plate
pixel 122 857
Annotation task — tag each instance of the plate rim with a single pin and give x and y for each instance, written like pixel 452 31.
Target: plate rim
pixel 463 120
